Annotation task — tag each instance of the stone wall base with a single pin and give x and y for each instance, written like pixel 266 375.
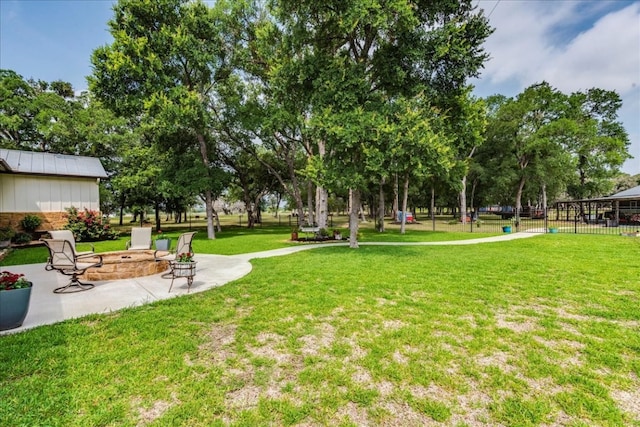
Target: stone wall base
pixel 50 220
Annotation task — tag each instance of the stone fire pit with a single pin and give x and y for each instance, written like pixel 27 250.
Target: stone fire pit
pixel 124 265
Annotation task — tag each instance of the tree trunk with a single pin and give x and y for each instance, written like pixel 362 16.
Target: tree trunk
pixel 158 220
pixel 310 208
pixel 473 195
pixel 248 206
pixel 297 196
pixel 433 207
pixel 121 213
pixel 208 202
pixel 463 201
pixel 583 181
pixel 322 195
pixel 277 208
pixel 363 213
pixel 354 208
pixel 217 218
pixel 322 206
pixel 381 207
pixel 463 193
pixel 544 203
pixel 373 207
pixel 394 208
pixel 257 209
pixel 405 197
pixel 519 199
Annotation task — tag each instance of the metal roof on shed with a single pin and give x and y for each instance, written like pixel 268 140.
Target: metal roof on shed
pixel 39 163
pixel 631 193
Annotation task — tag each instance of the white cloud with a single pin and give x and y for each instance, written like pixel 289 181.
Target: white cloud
pixel 573 45
pixel 606 56
pixel 518 47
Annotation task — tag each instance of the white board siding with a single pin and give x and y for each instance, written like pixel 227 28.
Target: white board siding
pixel 23 193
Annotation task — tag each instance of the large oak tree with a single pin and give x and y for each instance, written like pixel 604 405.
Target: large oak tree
pixel 359 56
pixel 166 65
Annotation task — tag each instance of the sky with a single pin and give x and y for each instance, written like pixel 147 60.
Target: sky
pixel 574 45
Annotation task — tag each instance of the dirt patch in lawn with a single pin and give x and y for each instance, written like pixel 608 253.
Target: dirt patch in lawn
pixel 461 373
pixel 150 414
pixel 629 399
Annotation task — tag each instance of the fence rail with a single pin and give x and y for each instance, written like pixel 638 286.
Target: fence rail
pixel 553 221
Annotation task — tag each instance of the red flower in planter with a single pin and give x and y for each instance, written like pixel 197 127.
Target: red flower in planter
pixel 185 257
pixel 10 281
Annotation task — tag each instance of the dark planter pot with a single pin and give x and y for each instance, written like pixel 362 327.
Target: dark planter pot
pixel 294 236
pixel 14 305
pixel 163 244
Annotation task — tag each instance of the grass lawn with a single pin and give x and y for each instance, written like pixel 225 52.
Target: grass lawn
pixel 235 240
pixel 540 331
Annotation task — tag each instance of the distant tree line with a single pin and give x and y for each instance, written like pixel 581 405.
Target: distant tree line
pixel 358 103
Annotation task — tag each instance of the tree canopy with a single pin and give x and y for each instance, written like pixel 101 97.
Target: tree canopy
pixel 318 100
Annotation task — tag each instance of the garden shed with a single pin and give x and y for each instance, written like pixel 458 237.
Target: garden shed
pixel 46 184
pixel 622 208
pixel 626 206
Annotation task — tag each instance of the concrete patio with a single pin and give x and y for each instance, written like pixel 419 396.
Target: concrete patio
pixel 107 296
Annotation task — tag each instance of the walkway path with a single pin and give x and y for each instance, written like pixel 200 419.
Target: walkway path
pixel 212 271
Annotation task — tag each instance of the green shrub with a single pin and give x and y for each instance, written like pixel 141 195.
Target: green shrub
pixel 7 233
pixel 30 222
pixel 22 237
pixel 87 226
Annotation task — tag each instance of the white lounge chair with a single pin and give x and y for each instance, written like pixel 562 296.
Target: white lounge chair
pixel 68 236
pixel 140 238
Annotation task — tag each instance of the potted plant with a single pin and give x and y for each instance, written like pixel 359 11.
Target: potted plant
pixel 294 234
pixel 6 234
pixel 184 265
pixel 15 294
pixel 185 257
pixel 163 242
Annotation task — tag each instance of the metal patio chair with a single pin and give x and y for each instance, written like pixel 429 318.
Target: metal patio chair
pixel 68 235
pixel 64 259
pixel 184 245
pixel 140 239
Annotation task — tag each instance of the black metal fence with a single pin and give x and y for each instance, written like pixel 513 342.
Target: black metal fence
pixel 554 220
pixel 578 220
pixel 564 219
